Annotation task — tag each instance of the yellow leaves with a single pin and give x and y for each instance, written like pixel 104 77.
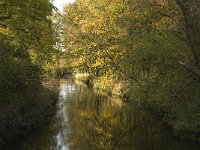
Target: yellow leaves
pixel 78 61
pixel 163 23
pixel 117 51
pixel 95 25
pixel 97 30
pixel 33 55
pixel 161 3
pixel 99 130
pixel 94 20
pixel 3 31
pixel 104 82
pixel 99 62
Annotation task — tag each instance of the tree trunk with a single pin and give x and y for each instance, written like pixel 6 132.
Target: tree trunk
pixel 191 15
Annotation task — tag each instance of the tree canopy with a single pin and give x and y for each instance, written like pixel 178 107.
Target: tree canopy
pixel 151 45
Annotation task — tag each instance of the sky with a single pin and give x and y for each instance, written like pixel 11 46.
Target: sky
pixel 60 3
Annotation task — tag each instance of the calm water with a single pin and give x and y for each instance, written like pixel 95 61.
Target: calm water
pixel 88 121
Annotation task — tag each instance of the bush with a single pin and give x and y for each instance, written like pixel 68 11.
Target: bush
pixel 159 81
pixel 24 103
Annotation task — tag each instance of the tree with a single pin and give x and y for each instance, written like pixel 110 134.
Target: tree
pixel 152 45
pixel 191 14
pixel 27 55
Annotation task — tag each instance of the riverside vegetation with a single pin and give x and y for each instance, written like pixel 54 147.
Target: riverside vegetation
pixel 152 47
pixel 28 60
pixel 147 51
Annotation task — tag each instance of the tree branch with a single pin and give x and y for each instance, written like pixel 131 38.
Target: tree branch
pixel 193 69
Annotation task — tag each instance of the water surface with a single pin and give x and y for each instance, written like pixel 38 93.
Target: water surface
pixel 88 121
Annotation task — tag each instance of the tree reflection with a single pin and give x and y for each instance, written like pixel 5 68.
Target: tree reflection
pixel 99 123
pixel 88 121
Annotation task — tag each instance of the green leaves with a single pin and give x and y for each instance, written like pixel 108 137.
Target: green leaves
pixel 143 43
pixel 93 35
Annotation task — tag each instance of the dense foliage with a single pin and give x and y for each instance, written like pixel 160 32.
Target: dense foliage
pixel 27 57
pixel 151 46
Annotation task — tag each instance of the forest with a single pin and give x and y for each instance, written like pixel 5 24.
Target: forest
pixel 149 48
pixel 145 51
pixel 28 59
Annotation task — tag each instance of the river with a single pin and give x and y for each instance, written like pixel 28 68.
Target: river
pixel 86 120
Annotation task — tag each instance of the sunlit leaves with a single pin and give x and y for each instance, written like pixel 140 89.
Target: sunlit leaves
pixel 93 29
pixel 143 42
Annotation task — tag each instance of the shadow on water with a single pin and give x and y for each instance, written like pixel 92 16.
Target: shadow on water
pixel 88 121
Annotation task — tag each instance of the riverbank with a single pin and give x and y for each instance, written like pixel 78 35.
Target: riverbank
pixel 106 85
pixel 27 112
pixel 86 120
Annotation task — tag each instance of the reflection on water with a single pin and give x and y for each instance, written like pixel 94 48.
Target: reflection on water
pixel 88 121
